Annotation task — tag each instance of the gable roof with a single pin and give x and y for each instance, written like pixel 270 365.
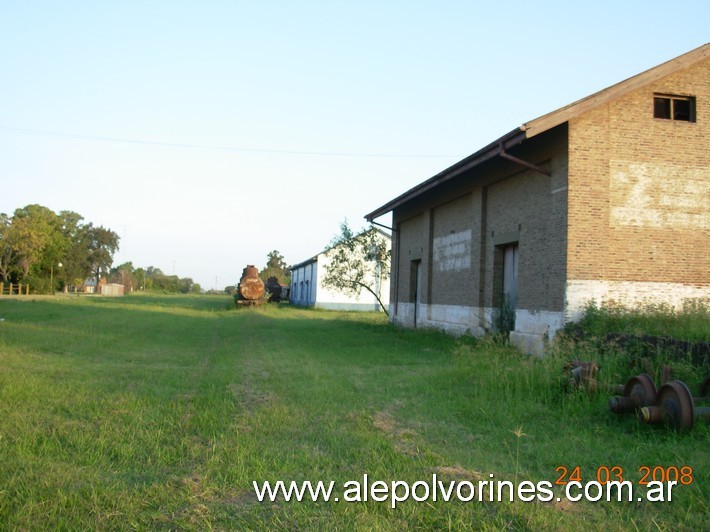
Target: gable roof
pixel 545 123
pixel 568 112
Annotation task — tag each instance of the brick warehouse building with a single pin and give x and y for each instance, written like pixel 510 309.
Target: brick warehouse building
pixel 606 199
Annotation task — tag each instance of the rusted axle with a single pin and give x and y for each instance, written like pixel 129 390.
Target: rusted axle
pixel 675 405
pixel 583 374
pixel 638 392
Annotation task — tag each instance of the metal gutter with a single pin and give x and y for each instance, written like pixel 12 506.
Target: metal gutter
pixel 546 123
pixel 490 151
pixel 304 263
pixel 535 168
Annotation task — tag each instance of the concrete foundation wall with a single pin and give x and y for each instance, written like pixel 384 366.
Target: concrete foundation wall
pixel 534 329
pixel 454 237
pixel 630 294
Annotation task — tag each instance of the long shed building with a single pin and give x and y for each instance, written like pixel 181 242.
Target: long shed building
pixel 606 199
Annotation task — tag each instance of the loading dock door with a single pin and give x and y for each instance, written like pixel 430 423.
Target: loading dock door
pixel 416 266
pixel 510 274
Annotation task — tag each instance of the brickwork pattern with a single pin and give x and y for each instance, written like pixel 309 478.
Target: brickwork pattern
pixel 625 215
pixel 453 242
pixel 639 188
pixel 455 232
pixel 408 246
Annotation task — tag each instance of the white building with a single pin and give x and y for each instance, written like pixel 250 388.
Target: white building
pixel 307 287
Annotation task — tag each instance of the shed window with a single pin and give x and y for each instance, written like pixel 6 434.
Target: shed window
pixel 680 108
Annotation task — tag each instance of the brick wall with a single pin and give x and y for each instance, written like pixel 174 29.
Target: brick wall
pixel 454 238
pixel 455 230
pixel 639 189
pixel 625 215
pixel 408 246
pixel 530 208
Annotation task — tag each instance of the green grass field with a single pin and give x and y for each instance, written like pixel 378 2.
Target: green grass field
pixel 157 412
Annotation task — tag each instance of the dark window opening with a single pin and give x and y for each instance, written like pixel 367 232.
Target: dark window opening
pixel 661 107
pixel 681 108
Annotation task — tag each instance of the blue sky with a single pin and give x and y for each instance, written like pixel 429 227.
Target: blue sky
pixel 208 133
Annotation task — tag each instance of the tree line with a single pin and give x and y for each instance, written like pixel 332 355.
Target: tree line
pixel 50 251
pixel 56 251
pixel 152 279
pixel 47 250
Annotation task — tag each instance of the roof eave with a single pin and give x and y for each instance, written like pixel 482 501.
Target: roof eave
pixel 304 263
pixel 546 123
pixel 490 151
pixel 575 109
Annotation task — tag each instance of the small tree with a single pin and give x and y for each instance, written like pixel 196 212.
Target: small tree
pixel 8 236
pixel 125 275
pixel 275 267
pixel 76 266
pixel 37 228
pixel 358 261
pixel 102 244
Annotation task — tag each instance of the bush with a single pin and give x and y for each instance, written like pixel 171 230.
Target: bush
pixel 504 318
pixel 691 322
pixel 626 341
pixel 38 285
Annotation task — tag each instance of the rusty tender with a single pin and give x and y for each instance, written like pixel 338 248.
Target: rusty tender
pixel 251 288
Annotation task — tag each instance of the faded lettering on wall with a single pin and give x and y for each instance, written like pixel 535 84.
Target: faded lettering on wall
pixel 660 196
pixel 453 252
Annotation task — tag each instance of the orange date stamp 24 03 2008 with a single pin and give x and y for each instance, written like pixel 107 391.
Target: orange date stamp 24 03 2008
pixel 604 474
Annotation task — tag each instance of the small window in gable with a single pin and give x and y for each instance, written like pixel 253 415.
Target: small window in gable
pixel 667 107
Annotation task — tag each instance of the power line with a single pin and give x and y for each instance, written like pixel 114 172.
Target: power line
pixel 79 136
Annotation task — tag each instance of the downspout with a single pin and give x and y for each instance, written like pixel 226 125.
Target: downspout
pixel 394 269
pixel 526 164
pixel 381 225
